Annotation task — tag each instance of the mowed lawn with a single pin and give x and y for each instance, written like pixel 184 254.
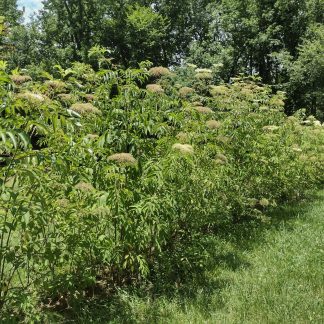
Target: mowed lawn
pixel 272 273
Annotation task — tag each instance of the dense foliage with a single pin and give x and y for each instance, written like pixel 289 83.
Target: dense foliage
pixel 120 176
pixel 115 173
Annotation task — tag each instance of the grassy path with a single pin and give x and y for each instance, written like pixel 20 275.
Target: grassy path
pixel 273 274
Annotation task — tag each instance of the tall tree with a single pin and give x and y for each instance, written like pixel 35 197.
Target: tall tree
pixel 306 74
pixel 9 9
pixel 135 32
pixel 10 17
pixel 249 32
pixel 130 30
pixel 71 25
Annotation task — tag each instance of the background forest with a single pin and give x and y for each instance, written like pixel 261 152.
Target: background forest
pixel 147 147
pixel 280 40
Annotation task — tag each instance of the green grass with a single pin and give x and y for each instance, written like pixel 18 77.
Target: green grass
pixel 271 273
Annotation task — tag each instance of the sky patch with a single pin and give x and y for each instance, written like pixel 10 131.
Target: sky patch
pixel 31 7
